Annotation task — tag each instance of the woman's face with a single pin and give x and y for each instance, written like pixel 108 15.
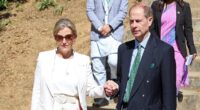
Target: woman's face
pixel 65 40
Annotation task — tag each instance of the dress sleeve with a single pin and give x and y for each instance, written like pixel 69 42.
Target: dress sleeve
pixel 36 86
pixel 188 28
pixel 93 90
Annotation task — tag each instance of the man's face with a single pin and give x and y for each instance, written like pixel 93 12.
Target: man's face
pixel 139 24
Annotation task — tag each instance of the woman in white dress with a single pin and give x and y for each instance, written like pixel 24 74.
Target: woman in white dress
pixel 63 77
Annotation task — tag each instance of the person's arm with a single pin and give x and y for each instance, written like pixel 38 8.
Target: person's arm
pixel 96 91
pixel 168 77
pixel 118 19
pixel 188 29
pixel 90 9
pixel 92 90
pixel 36 87
pixel 119 72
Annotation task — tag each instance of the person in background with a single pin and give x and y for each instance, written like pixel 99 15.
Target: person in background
pixel 146 67
pixel 106 17
pixel 173 24
pixel 63 77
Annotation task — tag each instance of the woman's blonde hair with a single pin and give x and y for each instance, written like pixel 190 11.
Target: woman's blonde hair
pixel 62 23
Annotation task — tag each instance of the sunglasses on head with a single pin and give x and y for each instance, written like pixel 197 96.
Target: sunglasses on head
pixel 66 37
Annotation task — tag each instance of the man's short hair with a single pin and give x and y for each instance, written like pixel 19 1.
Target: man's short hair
pixel 147 10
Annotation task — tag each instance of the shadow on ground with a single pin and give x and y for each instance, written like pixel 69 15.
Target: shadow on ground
pixel 94 108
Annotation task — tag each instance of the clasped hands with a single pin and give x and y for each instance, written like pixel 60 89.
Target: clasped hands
pixel 111 88
pixel 105 30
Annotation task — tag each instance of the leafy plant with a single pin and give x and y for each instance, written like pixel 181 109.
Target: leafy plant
pixel 4 23
pixel 58 9
pixel 43 4
pixel 21 1
pixel 3 4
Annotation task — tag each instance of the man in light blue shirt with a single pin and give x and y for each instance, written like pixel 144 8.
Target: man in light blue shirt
pixel 106 17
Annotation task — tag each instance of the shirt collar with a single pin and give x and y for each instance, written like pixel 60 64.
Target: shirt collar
pixel 144 42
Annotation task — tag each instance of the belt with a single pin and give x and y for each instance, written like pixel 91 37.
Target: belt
pixel 62 100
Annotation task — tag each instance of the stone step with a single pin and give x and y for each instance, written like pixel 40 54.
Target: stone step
pixel 111 105
pixel 195 67
pixel 194 81
pixel 193 3
pixel 196 36
pixel 190 101
pixel 195 12
pixel 196 24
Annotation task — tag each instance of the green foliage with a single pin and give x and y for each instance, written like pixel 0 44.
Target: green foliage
pixel 3 4
pixel 4 23
pixel 43 4
pixel 59 9
pixel 19 6
pixel 21 1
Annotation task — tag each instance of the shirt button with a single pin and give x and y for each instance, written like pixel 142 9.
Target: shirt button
pixel 147 81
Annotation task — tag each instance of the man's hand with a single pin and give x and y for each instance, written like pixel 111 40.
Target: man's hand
pixel 105 30
pixel 111 88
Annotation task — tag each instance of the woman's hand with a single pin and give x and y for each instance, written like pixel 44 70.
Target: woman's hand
pixel 194 56
pixel 111 88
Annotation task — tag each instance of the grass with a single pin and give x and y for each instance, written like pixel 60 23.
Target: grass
pixel 45 4
pixel 3 4
pixel 4 23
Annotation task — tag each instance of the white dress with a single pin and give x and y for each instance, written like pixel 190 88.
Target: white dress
pixel 63 84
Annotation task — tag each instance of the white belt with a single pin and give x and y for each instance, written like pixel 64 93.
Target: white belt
pixel 61 101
